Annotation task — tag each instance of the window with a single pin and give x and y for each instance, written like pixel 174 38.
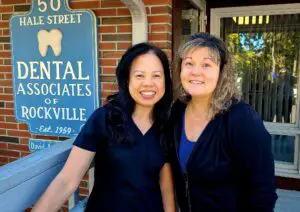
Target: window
pixel 265 44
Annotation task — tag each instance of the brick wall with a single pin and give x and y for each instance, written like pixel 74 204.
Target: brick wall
pixel 114 36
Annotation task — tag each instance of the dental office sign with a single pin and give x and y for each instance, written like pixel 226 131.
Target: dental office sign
pixel 55 72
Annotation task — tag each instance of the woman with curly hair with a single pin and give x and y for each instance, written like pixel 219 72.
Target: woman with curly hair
pixel 220 151
pixel 124 137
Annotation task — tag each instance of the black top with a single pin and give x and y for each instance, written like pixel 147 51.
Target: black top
pixel 231 167
pixel 126 175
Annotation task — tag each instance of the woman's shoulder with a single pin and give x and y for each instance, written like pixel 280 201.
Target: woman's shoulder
pixel 243 120
pixel 240 110
pixel 99 115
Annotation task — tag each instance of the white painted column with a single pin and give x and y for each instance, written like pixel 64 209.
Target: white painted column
pixel 139 20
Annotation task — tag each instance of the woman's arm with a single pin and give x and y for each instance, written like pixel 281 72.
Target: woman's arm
pixel 166 187
pixel 66 182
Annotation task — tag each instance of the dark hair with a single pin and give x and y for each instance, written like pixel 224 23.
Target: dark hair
pixel 121 105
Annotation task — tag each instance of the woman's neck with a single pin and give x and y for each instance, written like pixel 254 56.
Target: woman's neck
pixel 142 114
pixel 199 106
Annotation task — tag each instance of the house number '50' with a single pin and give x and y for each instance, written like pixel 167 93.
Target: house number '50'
pixel 43 5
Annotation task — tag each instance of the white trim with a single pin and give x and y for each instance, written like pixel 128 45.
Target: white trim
pixel 139 20
pixel 275 9
pixel 201 4
pixel 291 170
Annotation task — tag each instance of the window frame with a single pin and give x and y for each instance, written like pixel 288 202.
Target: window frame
pixel 281 169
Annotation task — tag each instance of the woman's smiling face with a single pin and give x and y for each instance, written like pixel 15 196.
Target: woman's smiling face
pixel 147 80
pixel 199 72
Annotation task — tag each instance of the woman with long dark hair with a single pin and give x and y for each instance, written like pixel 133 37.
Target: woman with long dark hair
pixel 124 137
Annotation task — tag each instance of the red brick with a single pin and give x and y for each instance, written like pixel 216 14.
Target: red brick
pixel 114 54
pixel 124 28
pixel 5 31
pixel 10 118
pixel 3 160
pixel 8 76
pixel 9 104
pixel 86 176
pixel 12 159
pixel 159 19
pixel 23 154
pixel 5 54
pixel 18 133
pixel 115 20
pixel 83 184
pixel 112 3
pixel 6 9
pixel 23 127
pixel 85 4
pixel 4 24
pixel 6 111
pixel 8 90
pixel 109 86
pixel 84 191
pixel 9 126
pixel 5 68
pixel 160 36
pixel 107 29
pixel 106 70
pixel 9 153
pixel 6 62
pixel 6 97
pixel 157 2
pixel 107 46
pixel 14 1
pixel 162 44
pixel 2 118
pixel 3 146
pixel 160 28
pixel 108 62
pixel 65 209
pixel 24 141
pixel 160 10
pixel 6 83
pixel 121 46
pixel 123 12
pixel 23 148
pixel 106 12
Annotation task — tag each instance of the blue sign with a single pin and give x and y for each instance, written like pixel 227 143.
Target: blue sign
pixel 38 144
pixel 55 68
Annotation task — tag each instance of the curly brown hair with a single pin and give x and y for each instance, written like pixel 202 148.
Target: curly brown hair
pixel 226 90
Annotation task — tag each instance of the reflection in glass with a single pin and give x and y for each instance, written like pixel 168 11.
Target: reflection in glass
pixel 283 147
pixel 266 51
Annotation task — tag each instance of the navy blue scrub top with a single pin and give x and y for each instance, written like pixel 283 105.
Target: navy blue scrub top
pixel 126 175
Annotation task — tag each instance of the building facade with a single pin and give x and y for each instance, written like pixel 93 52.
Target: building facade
pixel 263 36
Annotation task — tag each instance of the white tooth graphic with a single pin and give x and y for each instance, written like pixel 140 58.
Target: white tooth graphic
pixel 46 39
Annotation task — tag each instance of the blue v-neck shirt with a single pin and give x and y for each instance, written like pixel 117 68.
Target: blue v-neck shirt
pixel 186 147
